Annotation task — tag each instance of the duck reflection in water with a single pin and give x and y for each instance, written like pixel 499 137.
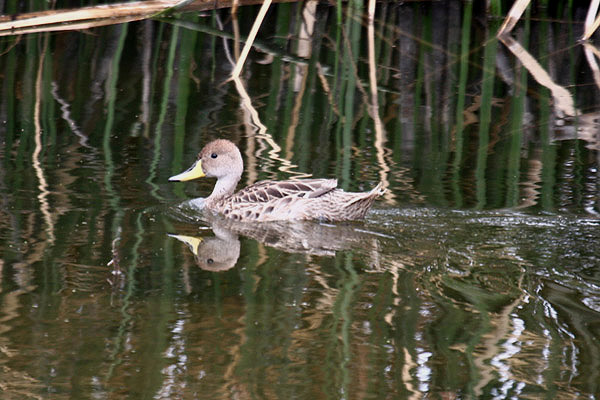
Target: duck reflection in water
pixel 218 253
pixel 221 252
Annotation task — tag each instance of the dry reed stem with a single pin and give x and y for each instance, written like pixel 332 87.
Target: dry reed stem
pixel 35 157
pixel 71 26
pixel 513 17
pixel 380 134
pixel 327 89
pixel 563 101
pixel 101 15
pixel 304 51
pixel 591 24
pixel 591 53
pixel 253 32
pixel 592 29
pixel 112 11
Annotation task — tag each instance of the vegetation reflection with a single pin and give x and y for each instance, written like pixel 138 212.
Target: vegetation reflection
pixel 476 276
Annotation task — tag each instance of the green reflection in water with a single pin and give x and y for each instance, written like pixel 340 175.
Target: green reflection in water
pixel 436 293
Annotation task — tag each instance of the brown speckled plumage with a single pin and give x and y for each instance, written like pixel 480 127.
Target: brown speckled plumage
pixel 304 199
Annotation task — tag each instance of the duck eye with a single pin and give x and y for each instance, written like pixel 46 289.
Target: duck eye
pixel 213 155
pixel 210 261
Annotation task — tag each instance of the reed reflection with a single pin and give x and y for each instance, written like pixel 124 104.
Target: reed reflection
pixel 476 277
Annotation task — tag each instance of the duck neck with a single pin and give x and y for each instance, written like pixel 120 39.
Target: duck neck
pixel 224 188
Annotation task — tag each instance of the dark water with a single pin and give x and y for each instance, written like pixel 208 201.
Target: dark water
pixel 476 276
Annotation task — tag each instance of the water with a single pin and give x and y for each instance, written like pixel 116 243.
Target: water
pixel 477 275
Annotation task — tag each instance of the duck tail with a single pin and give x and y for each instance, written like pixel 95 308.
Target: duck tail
pixel 360 203
pixel 378 190
pixel 371 195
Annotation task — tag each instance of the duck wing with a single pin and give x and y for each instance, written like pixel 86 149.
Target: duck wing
pixel 272 191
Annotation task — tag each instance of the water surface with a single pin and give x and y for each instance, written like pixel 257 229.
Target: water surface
pixel 476 275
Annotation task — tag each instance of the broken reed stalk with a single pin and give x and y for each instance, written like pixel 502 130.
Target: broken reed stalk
pixel 107 14
pixel 71 26
pixel 111 11
pixel 563 100
pixel 257 22
pixel 591 24
pixel 592 20
pixel 517 9
pixel 591 53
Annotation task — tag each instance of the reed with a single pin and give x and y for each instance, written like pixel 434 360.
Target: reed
pixel 485 114
pixel 459 140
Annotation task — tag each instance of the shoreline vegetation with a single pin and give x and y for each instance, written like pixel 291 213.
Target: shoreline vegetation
pixel 167 10
pixel 477 275
pixel 109 14
pixel 372 76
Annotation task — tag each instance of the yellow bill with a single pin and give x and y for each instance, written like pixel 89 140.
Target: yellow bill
pixel 192 242
pixel 194 172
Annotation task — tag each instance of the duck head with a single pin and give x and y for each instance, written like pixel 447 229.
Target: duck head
pixel 219 159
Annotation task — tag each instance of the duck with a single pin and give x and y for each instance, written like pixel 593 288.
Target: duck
pixel 302 199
